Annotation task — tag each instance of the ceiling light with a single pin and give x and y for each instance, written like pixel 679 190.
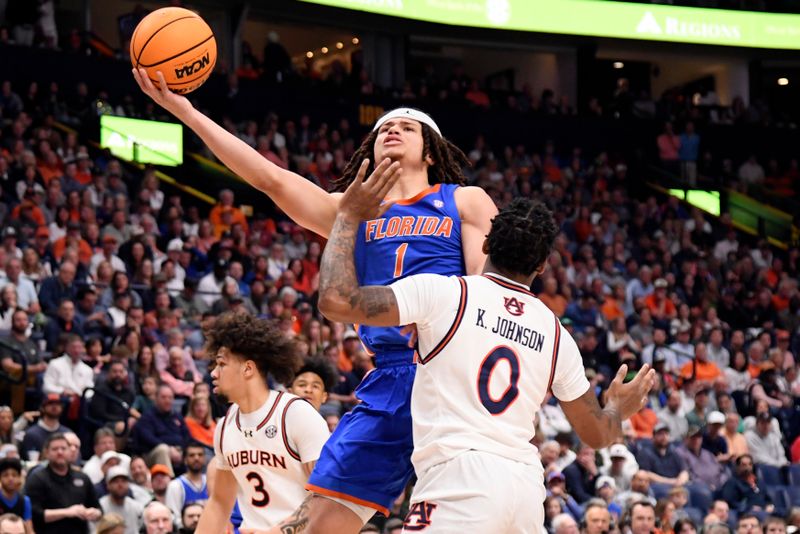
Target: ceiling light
pixel 355 40
pixel 324 49
pixel 340 45
pixel 309 54
pixel 783 81
pixel 619 65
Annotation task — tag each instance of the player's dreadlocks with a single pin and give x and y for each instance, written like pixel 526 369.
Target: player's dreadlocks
pixel 522 236
pixel 258 340
pixel 448 160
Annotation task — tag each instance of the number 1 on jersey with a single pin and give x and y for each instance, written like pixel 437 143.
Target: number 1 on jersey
pixel 400 255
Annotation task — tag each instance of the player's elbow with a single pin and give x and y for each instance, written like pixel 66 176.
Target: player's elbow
pixel 334 308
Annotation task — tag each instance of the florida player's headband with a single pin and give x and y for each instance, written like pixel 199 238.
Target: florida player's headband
pixel 408 113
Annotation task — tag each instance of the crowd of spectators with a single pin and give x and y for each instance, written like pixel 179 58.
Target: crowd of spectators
pixel 107 278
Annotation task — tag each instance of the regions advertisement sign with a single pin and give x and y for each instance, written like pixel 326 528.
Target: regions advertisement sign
pixel 599 18
pixel 160 143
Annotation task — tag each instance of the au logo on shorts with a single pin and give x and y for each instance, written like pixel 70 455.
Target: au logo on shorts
pixel 419 516
pixel 271 431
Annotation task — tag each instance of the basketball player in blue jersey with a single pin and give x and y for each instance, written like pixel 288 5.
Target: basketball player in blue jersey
pixel 433 225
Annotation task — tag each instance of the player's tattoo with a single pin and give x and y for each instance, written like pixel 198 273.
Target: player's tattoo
pixel 609 415
pixel 298 521
pixel 338 278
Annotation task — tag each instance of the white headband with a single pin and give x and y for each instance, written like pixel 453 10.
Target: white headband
pixel 409 113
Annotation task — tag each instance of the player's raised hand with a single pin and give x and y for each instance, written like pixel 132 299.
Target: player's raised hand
pixel 631 397
pixel 364 198
pixel 174 103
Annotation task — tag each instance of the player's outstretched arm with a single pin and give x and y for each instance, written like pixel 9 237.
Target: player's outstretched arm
pixel 306 204
pixel 217 512
pixel 340 297
pixel 600 427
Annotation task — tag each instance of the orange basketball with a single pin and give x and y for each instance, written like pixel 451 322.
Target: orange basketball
pixel 178 43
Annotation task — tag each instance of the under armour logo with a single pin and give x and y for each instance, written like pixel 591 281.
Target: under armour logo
pixel 248 433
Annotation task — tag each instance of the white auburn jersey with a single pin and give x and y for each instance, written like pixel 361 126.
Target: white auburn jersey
pixel 489 351
pixel 266 450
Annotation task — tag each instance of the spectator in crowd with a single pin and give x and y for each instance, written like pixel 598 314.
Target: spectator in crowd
pixel 160 477
pixel 118 502
pixel 190 517
pixel 581 474
pixel 662 459
pixel 103 443
pixel 111 524
pixel 713 440
pixel 564 523
pixel 743 491
pixel 191 486
pixel 61 503
pixel 65 323
pixel 669 144
pixel 27 299
pixel 642 517
pixel 313 382
pixel 640 491
pixel 11 500
pixel 12 524
pixel 557 489
pixel 113 398
pixel 673 416
pixel 20 345
pixel 701 464
pixel 67 375
pixel 764 442
pixel 688 153
pixel 56 289
pixel 596 517
pixel 157 519
pixel 161 434
pixel 47 425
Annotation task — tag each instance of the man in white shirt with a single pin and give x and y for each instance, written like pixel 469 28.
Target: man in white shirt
pixel 103 442
pixel 67 375
pixel 764 443
pixel 27 299
pixel 107 254
pixel 716 352
pixel 118 502
pixel 683 350
pixel 673 416
pixel 210 286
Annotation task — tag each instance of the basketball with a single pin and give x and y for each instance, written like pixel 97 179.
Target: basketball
pixel 177 42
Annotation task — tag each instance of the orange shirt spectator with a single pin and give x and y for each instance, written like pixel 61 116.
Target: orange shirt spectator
pixel 73 237
pixel 662 308
pixel 704 371
pixel 612 309
pixel 643 422
pixel 477 96
pixel 34 213
pixel 557 303
pixel 220 214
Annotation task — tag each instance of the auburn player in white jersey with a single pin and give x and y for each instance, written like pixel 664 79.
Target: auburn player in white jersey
pixel 489 351
pixel 268 442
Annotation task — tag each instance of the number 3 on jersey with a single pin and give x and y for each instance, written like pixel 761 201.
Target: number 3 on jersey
pixel 399 256
pixel 498 406
pixel 259 489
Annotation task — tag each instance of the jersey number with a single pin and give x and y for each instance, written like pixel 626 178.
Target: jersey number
pixel 259 488
pixel 399 256
pixel 498 406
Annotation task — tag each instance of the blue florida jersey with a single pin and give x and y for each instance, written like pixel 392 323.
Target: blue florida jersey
pixel 418 235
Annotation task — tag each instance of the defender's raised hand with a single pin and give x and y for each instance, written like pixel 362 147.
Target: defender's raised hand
pixel 161 95
pixel 631 397
pixel 364 199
